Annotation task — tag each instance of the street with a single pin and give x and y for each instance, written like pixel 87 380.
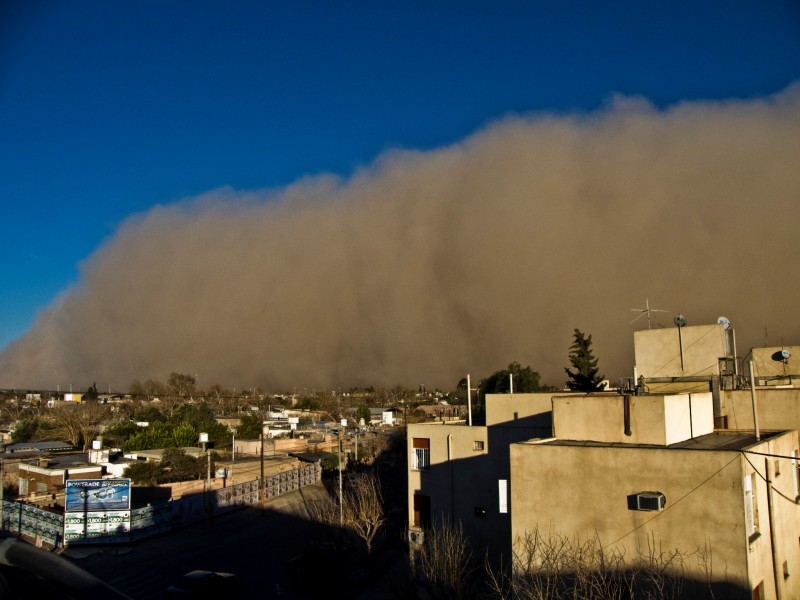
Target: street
pixel 251 543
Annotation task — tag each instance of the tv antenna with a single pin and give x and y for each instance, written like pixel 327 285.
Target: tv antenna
pixel 646 311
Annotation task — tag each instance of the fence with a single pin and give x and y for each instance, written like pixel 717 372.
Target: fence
pixel 47 528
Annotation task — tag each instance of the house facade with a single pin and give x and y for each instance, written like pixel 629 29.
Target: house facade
pixel 49 475
pixel 650 474
pixel 461 472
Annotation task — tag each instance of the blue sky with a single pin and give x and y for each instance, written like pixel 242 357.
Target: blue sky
pixel 109 108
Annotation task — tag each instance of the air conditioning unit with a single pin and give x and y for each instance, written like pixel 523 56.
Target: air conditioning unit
pixel 655 501
pixel 416 537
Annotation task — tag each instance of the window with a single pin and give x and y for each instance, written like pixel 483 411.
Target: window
pixel 421 457
pixel 796 473
pixel 758 591
pixel 41 487
pixel 751 506
pixel 477 445
pixel 502 488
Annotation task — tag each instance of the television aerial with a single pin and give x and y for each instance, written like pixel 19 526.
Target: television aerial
pixel 647 311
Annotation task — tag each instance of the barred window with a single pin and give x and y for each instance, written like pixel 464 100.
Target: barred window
pixel 421 457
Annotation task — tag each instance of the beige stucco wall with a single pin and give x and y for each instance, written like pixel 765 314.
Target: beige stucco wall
pixel 653 419
pixel 765 366
pixel 583 489
pixel 459 478
pixel 658 351
pixel 688 416
pixel 512 409
pixel 777 408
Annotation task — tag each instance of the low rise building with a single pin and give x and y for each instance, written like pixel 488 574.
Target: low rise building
pixel 461 472
pixel 645 474
pixel 49 475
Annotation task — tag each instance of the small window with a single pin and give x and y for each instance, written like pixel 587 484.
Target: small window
pixel 796 473
pixel 751 506
pixel 41 487
pixel 477 445
pixel 421 457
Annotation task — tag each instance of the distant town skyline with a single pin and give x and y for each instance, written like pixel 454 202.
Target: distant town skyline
pixel 206 155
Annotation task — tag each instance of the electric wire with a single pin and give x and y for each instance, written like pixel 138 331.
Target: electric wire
pixel 776 491
pixel 678 501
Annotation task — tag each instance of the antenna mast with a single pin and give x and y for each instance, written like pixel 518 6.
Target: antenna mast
pixel 646 311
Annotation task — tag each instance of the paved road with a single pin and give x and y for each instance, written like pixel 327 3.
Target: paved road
pixel 251 543
pixel 255 545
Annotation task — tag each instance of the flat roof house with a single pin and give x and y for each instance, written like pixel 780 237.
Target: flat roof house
pixel 644 474
pixel 461 472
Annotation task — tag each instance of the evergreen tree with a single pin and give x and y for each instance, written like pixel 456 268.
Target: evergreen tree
pixel 585 377
pixel 363 412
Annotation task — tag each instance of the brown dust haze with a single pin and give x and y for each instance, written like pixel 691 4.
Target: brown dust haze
pixel 426 266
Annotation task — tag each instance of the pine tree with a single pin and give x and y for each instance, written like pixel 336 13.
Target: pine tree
pixel 584 378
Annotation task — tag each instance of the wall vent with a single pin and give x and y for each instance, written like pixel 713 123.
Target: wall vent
pixel 655 501
pixel 416 537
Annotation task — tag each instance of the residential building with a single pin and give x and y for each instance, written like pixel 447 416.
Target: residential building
pixel 776 366
pixel 461 471
pixel 649 474
pixel 685 359
pixel 49 475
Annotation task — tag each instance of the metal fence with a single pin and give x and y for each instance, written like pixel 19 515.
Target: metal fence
pixel 45 527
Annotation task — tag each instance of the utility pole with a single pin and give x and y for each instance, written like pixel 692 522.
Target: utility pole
pixel 2 485
pixel 341 507
pixel 261 481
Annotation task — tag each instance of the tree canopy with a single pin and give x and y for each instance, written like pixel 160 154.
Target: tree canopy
pixel 585 377
pixel 250 427
pixel 363 412
pixel 526 380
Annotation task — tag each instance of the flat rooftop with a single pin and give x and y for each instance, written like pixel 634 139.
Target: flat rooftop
pixel 718 440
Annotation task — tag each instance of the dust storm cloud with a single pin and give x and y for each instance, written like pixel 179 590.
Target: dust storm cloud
pixel 426 266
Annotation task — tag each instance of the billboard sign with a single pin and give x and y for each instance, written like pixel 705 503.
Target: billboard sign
pixel 97 527
pixel 97 495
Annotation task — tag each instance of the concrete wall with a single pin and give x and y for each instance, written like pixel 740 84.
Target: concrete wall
pixel 520 410
pixel 658 420
pixel 772 371
pixel 688 416
pixel 777 408
pixel 583 490
pixel 459 478
pixel 462 478
pixel 658 351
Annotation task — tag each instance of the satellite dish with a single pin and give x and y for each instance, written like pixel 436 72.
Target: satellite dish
pixel 724 321
pixel 781 356
pixel 679 320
